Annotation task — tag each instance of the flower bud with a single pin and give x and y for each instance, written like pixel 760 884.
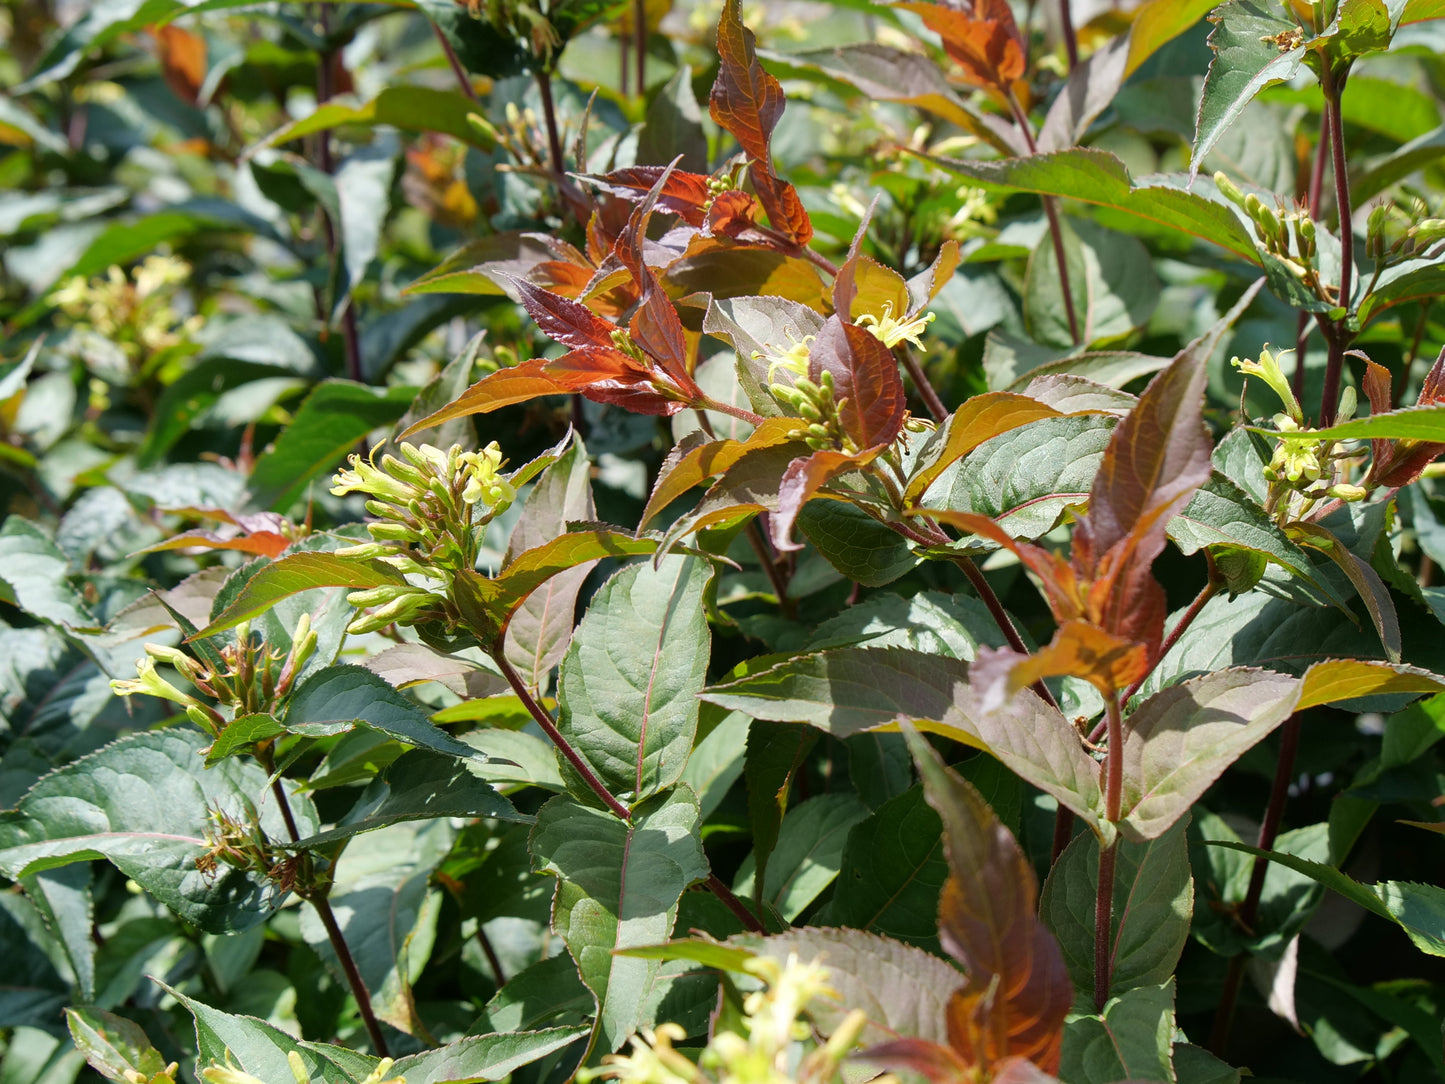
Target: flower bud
pixel 399 610
pixel 1346 492
pixel 377 596
pixel 1228 189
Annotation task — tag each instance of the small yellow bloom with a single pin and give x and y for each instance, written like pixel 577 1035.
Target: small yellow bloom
pixel 793 360
pixel 891 332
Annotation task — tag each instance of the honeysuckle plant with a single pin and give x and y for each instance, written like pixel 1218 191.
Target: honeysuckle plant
pixel 919 567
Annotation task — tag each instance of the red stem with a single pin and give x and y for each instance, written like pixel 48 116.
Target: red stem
pixel 926 390
pixel 1113 812
pixel 1051 212
pixel 1071 41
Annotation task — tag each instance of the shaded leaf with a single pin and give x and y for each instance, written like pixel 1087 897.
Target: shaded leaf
pixel 104 806
pixel 291 575
pixel 1133 1039
pixel 618 887
pixel 629 683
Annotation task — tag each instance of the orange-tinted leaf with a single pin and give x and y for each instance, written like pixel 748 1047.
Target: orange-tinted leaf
pixel 733 214
pixel 1018 990
pixel 695 465
pixel 684 194
pixel 724 269
pixel 748 102
pixel 845 282
pixel 924 286
pixel 563 320
pixel 607 376
pixel 980 36
pixel 517 384
pixel 802 479
pixel 1078 649
pixel 980 419
pixel 745 99
pixel 183 61
pixel 867 387
pixel 1061 587
pixel 264 543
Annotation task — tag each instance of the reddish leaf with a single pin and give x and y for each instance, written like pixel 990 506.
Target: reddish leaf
pixel 183 61
pixel 1399 462
pixel 932 1061
pixel 981 36
pixel 734 214
pixel 748 102
pixel 1157 457
pixel 264 543
pixel 867 386
pixel 845 283
pixel 1018 990
pixel 1061 586
pixel 655 326
pixel 607 376
pixel 1078 649
pixel 684 194
pixel 563 320
pixel 802 479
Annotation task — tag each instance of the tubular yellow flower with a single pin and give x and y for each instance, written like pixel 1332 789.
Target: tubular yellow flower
pixel 793 360
pixel 891 332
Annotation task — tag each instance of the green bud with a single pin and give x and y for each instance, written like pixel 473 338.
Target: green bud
pixel 825 379
pixel 393 532
pixel 1346 492
pixel 377 596
pixel 364 551
pixel 807 387
pixel 809 410
pixel 1349 402
pixel 820 432
pixel 399 610
pixel 482 126
pixel 818 445
pixel 1253 207
pixel 1228 189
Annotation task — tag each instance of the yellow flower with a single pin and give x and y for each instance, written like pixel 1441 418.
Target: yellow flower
pixel 891 332
pixel 793 360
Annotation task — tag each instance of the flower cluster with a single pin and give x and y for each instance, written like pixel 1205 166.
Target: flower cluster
pixel 432 508
pixel 136 312
pixel 769 1048
pixel 250 677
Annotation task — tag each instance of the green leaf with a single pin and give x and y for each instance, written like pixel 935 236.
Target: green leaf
pixel 1181 740
pixel 413 109
pixel 674 127
pixel 1096 176
pixel 716 761
pixel 892 871
pixel 629 683
pixel 1114 286
pixel 1417 909
pixel 847 690
pixel 485 1057
pixel 1195 1065
pixel 1425 423
pixel 363 194
pixel 104 806
pixel 35 575
pixel 979 420
pixel 1026 479
pixel 856 544
pixel 1246 60
pixel 419 786
pixel 773 756
pixel 292 574
pixel 113 1045
pixel 953 626
pixel 808 854
pixel 1132 1040
pixel 1153 903
pixel 547 990
pixel 1334 680
pixel 541 627
pixel 618 887
pixel 1223 514
pixel 339 697
pixel 330 423
pixel 63 899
